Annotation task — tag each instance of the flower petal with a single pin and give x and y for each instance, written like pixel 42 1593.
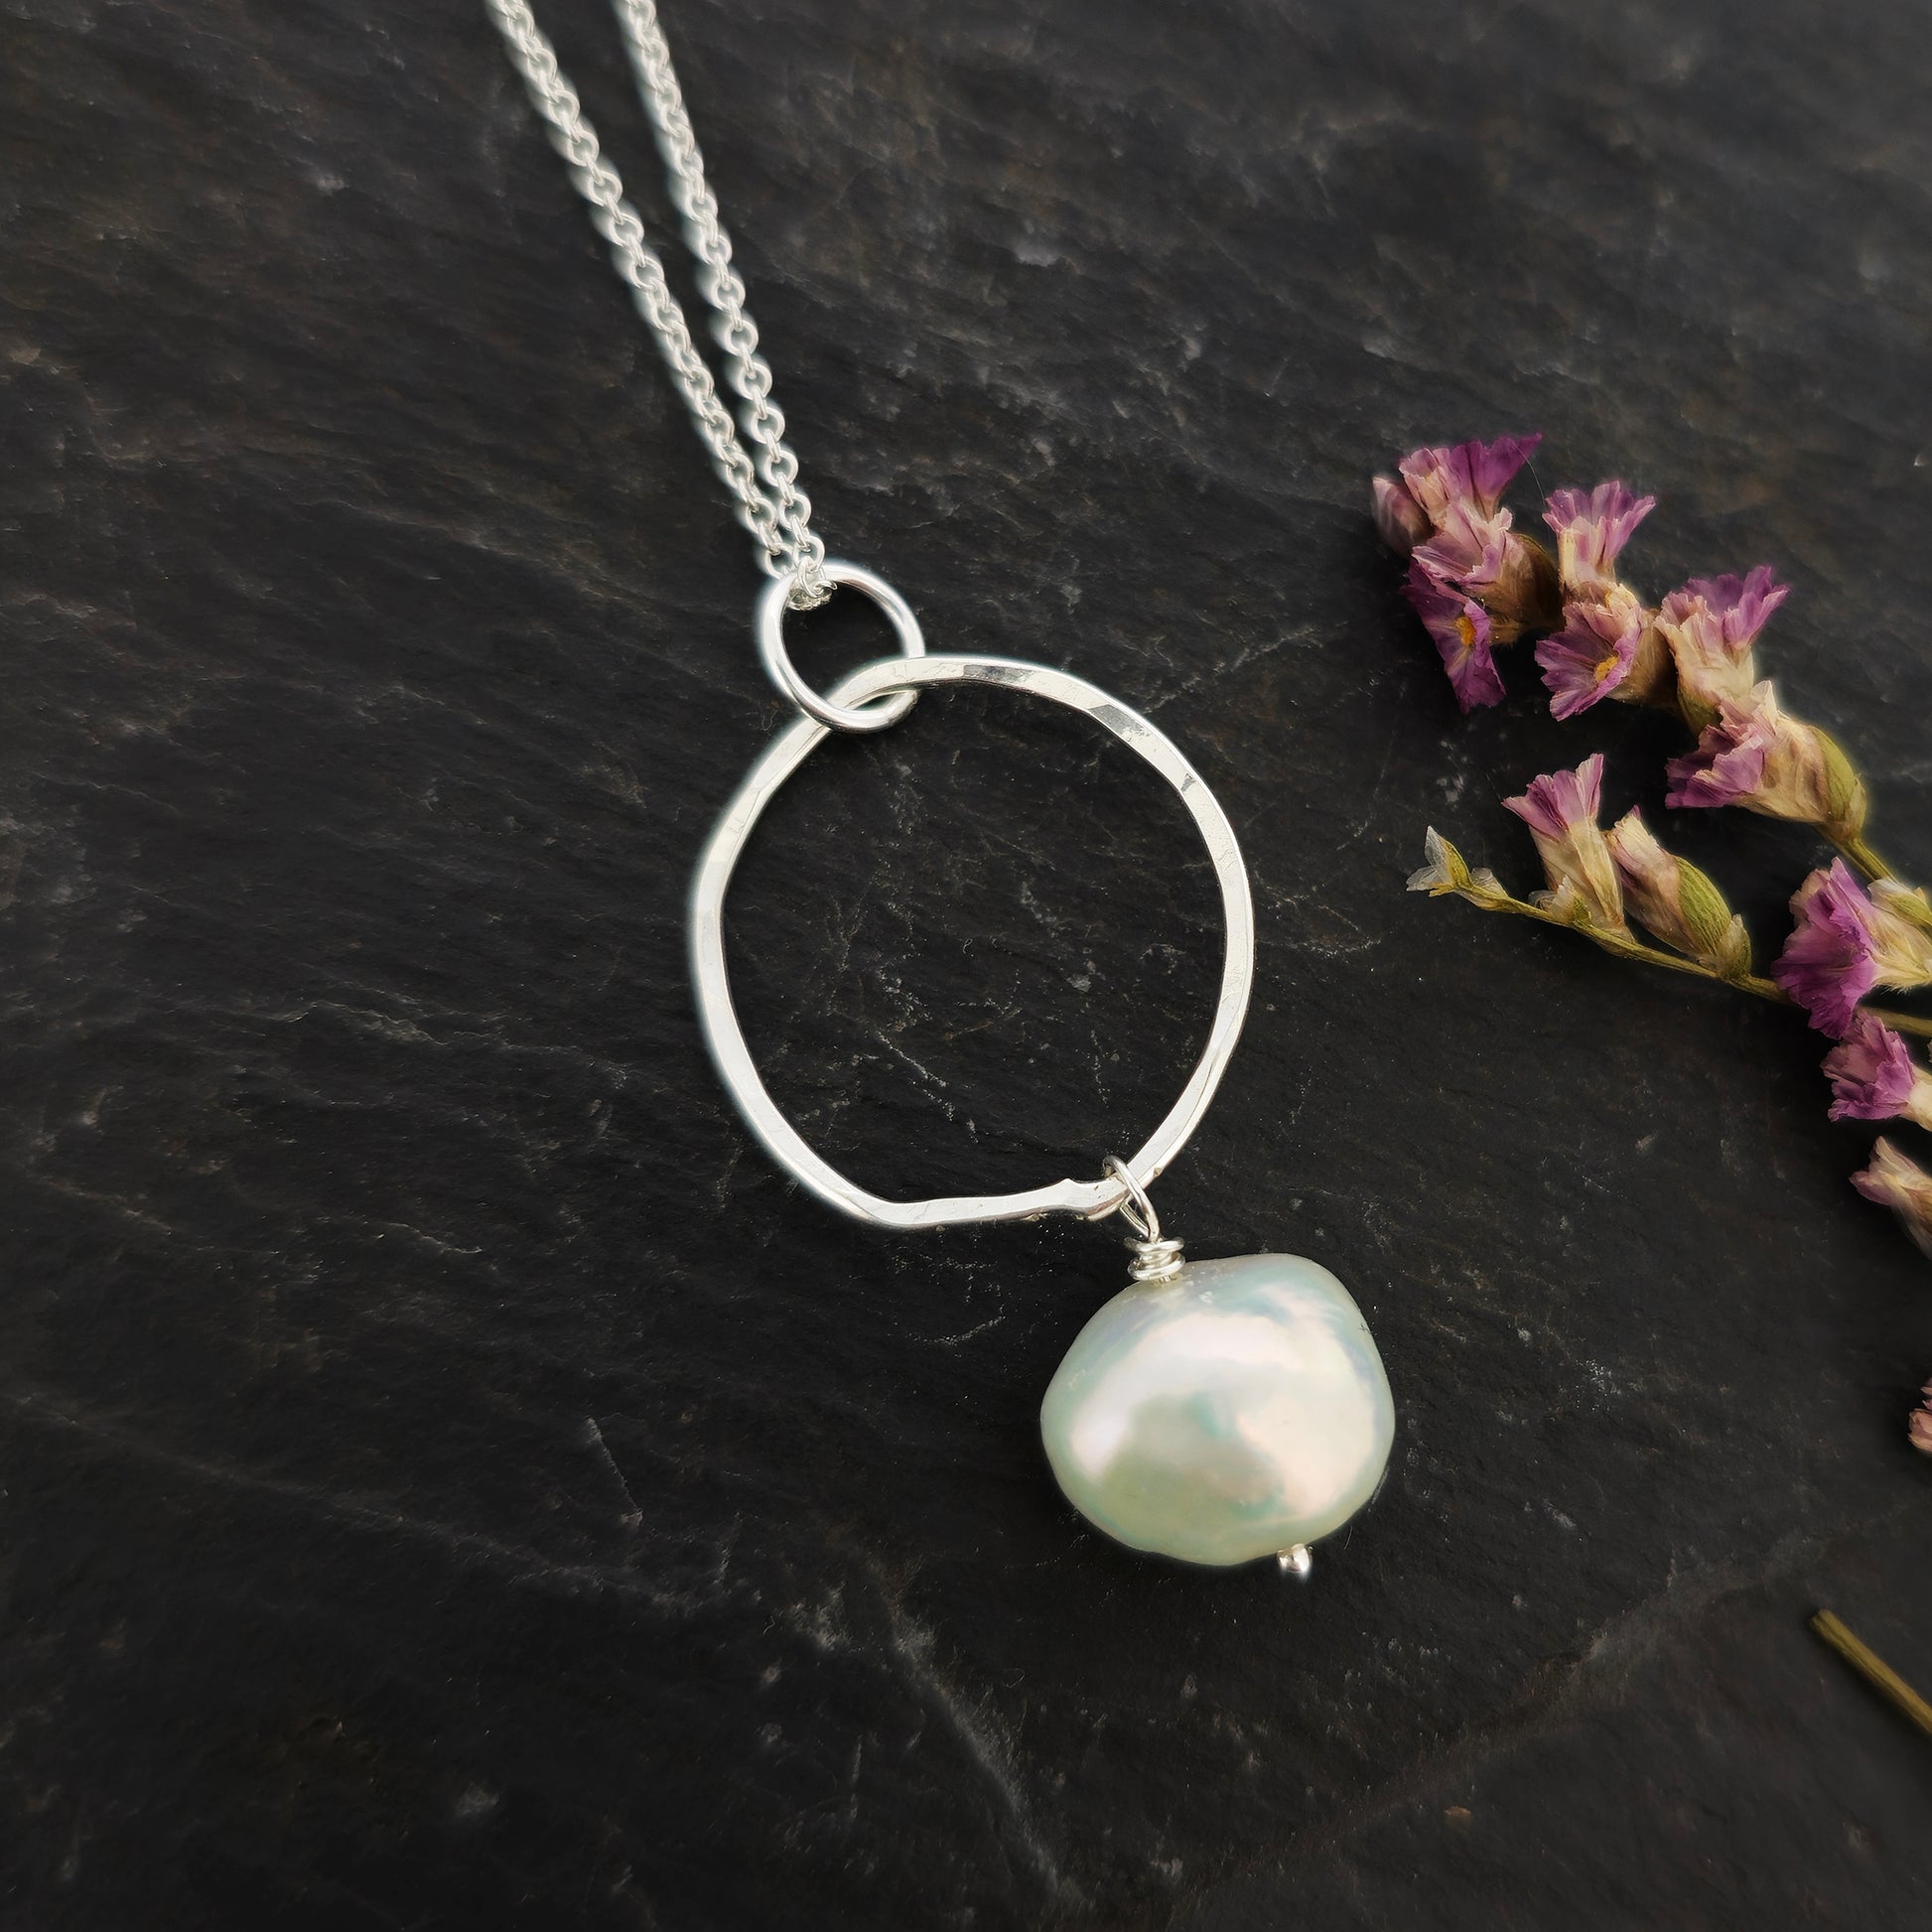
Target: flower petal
pixel 1590 655
pixel 1402 520
pixel 1739 607
pixel 1590 532
pixel 1472 475
pixel 1556 803
pixel 1460 627
pixel 1828 964
pixel 1441 874
pixel 1561 808
pixel 1728 768
pixel 1465 552
pixel 1710 625
pixel 1870 1071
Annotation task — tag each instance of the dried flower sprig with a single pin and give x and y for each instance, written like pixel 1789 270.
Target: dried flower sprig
pixel 1478 583
pixel 1599 882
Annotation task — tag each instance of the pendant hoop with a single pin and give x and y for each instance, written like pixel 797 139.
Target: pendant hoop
pixel 769 626
pixel 780 760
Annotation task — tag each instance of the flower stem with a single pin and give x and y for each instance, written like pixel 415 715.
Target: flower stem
pixel 1626 946
pixel 1862 856
pixel 1875 1670
pixel 1902 1022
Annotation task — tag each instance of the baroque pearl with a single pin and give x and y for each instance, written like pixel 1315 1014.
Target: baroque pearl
pixel 1233 1412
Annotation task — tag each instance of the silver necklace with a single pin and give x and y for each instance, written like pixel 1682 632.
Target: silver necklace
pixel 1213 1410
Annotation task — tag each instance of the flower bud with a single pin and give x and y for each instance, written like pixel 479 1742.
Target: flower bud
pixel 1900 1184
pixel 1448 871
pixel 1671 898
pixel 1561 808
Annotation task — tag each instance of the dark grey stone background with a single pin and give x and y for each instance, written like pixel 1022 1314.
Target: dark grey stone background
pixel 449 1479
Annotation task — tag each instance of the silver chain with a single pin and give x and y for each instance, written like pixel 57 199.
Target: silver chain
pixel 765 486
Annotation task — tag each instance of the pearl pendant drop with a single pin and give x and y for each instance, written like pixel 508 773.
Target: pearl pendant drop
pixel 1237 1410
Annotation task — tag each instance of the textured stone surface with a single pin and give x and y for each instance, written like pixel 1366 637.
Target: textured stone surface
pixel 449 1479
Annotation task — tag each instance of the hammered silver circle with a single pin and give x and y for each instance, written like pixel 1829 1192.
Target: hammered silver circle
pixel 781 758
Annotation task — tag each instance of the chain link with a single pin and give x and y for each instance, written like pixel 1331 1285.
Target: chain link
pixel 765 487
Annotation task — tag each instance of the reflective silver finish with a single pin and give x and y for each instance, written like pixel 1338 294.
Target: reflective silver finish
pixel 769 626
pixel 765 486
pixel 1155 1259
pixel 780 761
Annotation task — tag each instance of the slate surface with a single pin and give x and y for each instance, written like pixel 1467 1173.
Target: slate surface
pixel 449 1478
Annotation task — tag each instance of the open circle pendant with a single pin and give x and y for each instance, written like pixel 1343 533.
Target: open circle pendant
pixel 780 759
pixel 1214 1411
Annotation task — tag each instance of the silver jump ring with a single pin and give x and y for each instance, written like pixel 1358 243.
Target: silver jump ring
pixel 769 629
pixel 1132 1208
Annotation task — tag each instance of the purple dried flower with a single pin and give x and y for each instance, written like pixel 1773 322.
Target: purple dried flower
pixel 1514 580
pixel 1462 630
pixel 1402 520
pixel 1874 1075
pixel 1743 605
pixel 1900 1184
pixel 1559 800
pixel 1466 550
pixel 1590 531
pixel 1754 755
pixel 1828 964
pixel 1845 942
pixel 1446 516
pixel 1561 808
pixel 1471 477
pixel 1728 766
pixel 1459 490
pixel 1710 625
pixel 1593 653
pixel 1919 1432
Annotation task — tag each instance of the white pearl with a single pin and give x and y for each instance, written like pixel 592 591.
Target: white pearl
pixel 1231 1413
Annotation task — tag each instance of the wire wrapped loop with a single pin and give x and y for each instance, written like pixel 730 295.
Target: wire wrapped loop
pixel 1156 1259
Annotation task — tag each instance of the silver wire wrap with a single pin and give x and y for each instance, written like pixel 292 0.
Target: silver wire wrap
pixel 1155 1259
pixel 763 486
